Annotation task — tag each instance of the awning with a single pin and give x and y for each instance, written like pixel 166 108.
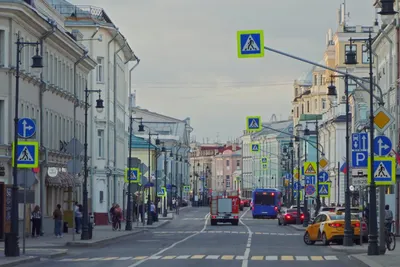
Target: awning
pixel 66 179
pixel 54 181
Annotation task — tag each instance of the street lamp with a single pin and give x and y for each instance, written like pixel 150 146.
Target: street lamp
pixel 163 149
pixel 128 225
pixel 387 11
pixel 298 219
pixel 85 218
pixel 11 241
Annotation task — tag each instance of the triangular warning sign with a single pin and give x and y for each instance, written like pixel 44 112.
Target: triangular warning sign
pixel 250 45
pixel 25 155
pixel 323 190
pixel 253 124
pixel 310 169
pixel 381 171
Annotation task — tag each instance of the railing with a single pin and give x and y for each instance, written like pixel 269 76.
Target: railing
pixel 78 11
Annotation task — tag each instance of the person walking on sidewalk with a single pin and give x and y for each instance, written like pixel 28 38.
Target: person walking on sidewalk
pixel 117 217
pixel 388 218
pixel 36 218
pixel 57 216
pixel 76 208
pixel 78 219
pixel 112 211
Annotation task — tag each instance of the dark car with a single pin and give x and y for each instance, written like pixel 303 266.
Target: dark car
pixel 289 216
pixel 184 203
pixel 246 202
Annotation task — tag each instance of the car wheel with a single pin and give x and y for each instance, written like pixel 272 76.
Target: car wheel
pixel 325 241
pixel 307 240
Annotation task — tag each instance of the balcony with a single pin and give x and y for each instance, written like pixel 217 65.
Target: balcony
pixel 81 12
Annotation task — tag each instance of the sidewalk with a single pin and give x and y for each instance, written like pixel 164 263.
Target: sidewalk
pixel 8 262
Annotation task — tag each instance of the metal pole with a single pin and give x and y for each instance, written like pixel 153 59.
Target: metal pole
pixel 23 228
pixel 305 212
pixel 165 184
pixel 348 231
pixel 338 183
pixel 85 222
pixel 298 221
pixel 318 200
pixel 128 225
pixel 149 219
pixel 13 238
pixel 382 243
pixel 373 248
pixel 292 189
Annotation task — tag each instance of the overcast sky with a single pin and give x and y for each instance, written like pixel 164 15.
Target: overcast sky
pixel 189 65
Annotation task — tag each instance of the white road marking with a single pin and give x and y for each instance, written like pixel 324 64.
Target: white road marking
pixel 212 257
pixel 301 258
pixel 245 261
pixel 331 258
pixel 174 244
pixel 183 257
pixel 124 258
pixel 271 258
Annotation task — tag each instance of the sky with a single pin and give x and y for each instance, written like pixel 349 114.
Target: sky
pixel 189 65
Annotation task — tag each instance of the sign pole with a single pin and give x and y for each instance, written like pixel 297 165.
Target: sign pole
pixel 23 228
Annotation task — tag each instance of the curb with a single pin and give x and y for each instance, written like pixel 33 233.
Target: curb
pixel 102 242
pixel 19 261
pixel 57 254
pixel 164 222
pixel 348 252
pixel 365 260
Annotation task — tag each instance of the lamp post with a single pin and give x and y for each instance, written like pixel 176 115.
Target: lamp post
pixel 85 218
pixel 348 231
pixel 149 219
pixel 11 241
pixel 128 225
pixel 305 212
pixel 165 212
pixel 298 219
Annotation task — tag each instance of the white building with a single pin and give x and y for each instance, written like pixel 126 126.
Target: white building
pixel 47 98
pixel 108 130
pixel 248 182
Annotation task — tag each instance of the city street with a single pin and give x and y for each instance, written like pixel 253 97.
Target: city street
pixel 190 240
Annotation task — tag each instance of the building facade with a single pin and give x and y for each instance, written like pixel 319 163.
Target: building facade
pixel 48 97
pixel 226 164
pixel 108 131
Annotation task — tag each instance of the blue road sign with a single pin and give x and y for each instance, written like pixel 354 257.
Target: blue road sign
pixel 288 176
pixel 133 175
pixel 359 142
pixel 310 179
pixel 382 170
pixel 250 43
pixel 310 189
pixel 255 147
pixel 26 127
pixel 323 190
pixel 297 186
pixel 27 154
pixel 323 176
pixel 359 159
pixel 295 194
pixel 382 145
pixel 254 123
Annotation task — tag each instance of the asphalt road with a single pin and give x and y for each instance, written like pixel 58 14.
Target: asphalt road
pixel 190 240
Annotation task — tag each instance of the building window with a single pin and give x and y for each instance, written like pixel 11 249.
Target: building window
pixel 365 55
pixel 323 103
pixel 228 181
pixel 2 47
pixel 238 163
pixel 227 163
pixel 347 49
pixel 100 70
pixel 308 106
pixel 100 144
pixel 315 104
pixel 351 85
pixel 297 112
pixel 315 79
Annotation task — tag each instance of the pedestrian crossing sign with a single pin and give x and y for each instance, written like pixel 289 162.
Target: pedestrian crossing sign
pixel 186 188
pixel 264 160
pixel 255 147
pixel 163 192
pixel 253 123
pixel 132 175
pixel 250 44
pixel 310 168
pixel 324 189
pixel 27 154
pixel 383 171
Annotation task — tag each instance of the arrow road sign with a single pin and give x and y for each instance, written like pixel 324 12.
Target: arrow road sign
pixel 359 142
pixel 382 145
pixel 297 185
pixel 310 179
pixel 26 127
pixel 323 176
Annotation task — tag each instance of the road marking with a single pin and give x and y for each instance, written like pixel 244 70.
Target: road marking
pixel 155 257
pixel 331 258
pixel 317 258
pixel 271 258
pixel 174 244
pixel 168 257
pixel 228 257
pixel 110 258
pixel 287 258
pixel 183 257
pixel 239 257
pixel 301 258
pixel 197 257
pixel 245 261
pixel 140 258
pixel 257 258
pixel 212 257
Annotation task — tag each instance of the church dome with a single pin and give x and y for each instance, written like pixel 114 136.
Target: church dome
pixel 306 78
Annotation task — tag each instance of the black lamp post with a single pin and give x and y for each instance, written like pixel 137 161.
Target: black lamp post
pixel 292 170
pixel 11 240
pixel 86 235
pixel 298 219
pixel 128 225
pixel 165 212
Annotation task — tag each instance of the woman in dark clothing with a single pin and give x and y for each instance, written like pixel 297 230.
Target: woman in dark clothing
pixel 36 218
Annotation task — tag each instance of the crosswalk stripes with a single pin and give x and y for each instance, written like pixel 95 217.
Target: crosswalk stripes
pixel 209 257
pixel 225 232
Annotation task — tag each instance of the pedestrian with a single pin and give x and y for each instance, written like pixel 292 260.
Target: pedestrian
pixel 117 217
pixel 159 206
pixel 78 219
pixel 173 203
pixel 76 208
pixel 57 216
pixel 153 211
pixel 36 218
pixel 112 216
pixel 388 218
pixel 141 212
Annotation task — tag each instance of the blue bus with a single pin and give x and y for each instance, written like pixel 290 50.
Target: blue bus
pixel 266 202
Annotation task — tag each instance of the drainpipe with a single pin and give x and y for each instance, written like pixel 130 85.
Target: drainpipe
pixel 115 118
pixel 108 118
pixel 41 128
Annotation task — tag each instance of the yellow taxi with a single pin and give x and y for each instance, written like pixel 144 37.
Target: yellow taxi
pixel 329 227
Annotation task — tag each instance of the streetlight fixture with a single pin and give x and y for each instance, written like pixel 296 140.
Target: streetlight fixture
pixel 387 11
pixel 128 225
pixel 86 235
pixel 11 240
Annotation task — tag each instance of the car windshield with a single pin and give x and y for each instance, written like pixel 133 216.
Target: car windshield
pixel 341 217
pixel 353 210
